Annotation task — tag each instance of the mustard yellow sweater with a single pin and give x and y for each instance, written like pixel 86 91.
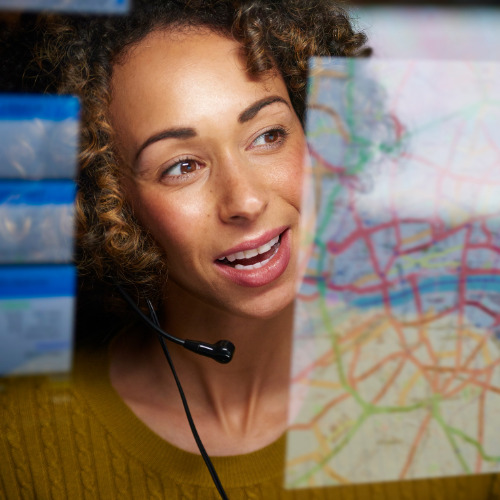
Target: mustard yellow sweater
pixel 76 439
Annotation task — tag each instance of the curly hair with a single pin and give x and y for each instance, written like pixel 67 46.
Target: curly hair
pixel 75 55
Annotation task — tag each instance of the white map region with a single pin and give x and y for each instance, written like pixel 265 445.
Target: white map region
pixel 397 338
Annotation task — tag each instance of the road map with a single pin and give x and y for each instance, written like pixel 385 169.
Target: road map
pixel 396 362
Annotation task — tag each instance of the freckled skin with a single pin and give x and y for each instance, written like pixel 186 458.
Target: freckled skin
pixel 238 193
pixel 217 182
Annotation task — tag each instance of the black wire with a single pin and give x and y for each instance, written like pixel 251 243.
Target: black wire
pixel 204 454
pixel 155 324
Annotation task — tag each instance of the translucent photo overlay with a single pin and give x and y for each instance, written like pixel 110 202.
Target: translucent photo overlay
pixel 396 362
pixel 69 6
pixel 39 136
pixel 36 221
pixel 428 31
pixel 36 319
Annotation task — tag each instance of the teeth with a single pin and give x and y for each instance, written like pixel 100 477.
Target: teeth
pixel 254 266
pixel 248 254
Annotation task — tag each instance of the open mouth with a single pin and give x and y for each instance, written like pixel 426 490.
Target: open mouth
pixel 254 258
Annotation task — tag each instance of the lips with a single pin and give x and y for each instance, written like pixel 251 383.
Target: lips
pixel 257 262
pixel 253 258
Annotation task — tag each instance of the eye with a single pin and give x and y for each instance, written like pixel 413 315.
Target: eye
pixel 182 167
pixel 270 138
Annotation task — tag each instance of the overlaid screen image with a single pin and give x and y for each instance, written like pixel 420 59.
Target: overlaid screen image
pixel 397 328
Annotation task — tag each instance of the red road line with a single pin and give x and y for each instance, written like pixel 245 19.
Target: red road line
pixel 389 382
pixel 352 367
pixel 314 420
pixel 418 302
pixel 322 361
pixel 483 308
pixel 414 446
pixel 481 415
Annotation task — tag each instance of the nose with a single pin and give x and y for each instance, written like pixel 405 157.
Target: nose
pixel 243 196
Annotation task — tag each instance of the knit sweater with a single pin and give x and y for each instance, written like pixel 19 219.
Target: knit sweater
pixel 74 438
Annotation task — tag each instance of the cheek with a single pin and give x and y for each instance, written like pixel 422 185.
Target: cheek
pixel 292 174
pixel 174 221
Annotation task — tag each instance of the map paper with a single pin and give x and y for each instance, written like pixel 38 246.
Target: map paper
pixel 396 362
pixel 431 31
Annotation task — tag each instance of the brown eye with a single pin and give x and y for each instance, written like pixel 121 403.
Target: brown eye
pixel 188 166
pixel 182 167
pixel 270 138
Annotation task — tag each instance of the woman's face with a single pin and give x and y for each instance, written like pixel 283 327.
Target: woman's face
pixel 216 159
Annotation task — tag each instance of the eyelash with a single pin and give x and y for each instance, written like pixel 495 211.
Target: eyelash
pixel 179 162
pixel 282 136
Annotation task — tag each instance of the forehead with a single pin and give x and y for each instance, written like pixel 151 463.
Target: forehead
pixel 179 78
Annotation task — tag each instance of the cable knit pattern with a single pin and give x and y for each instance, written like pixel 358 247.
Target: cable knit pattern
pixel 50 446
pixel 80 424
pixel 17 455
pixel 154 488
pixel 80 441
pixel 120 473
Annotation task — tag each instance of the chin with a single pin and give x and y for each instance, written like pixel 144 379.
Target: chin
pixel 266 309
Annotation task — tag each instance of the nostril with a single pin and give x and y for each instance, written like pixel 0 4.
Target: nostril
pixel 239 207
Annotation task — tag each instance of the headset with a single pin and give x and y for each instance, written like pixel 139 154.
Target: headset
pixel 222 352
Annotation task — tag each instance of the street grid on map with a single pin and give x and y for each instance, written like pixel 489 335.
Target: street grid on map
pixel 397 338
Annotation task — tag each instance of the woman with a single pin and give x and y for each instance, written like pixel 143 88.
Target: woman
pixel 192 152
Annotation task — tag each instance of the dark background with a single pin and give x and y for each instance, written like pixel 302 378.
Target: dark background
pixel 454 3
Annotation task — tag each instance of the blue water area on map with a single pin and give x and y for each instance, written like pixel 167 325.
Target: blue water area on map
pixel 429 285
pixel 496 333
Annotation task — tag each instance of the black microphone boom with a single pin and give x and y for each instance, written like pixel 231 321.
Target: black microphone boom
pixel 222 351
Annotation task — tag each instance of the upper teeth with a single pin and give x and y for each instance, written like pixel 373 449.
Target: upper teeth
pixel 247 254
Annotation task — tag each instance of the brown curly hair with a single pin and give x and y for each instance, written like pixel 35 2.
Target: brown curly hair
pixel 75 55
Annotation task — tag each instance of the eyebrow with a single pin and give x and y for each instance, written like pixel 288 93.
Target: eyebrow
pixel 188 132
pixel 171 133
pixel 252 110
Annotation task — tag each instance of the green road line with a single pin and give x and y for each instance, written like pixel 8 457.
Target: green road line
pixel 338 448
pixel 324 310
pixel 409 260
pixel 439 419
pixel 397 409
pixel 468 112
pixel 332 197
pixel 319 266
pixel 322 128
pixel 343 378
pixel 476 445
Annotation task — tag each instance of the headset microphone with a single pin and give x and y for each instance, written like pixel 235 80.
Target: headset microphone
pixel 222 351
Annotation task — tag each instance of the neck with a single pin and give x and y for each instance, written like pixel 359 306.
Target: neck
pixel 243 404
pixel 260 362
